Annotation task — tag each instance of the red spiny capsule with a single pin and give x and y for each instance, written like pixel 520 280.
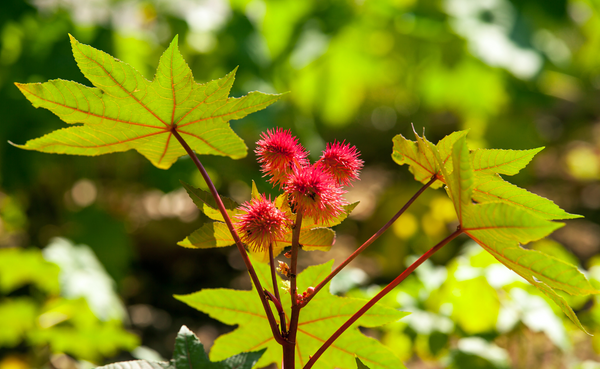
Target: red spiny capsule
pixel 341 161
pixel 315 193
pixel 278 153
pixel 261 223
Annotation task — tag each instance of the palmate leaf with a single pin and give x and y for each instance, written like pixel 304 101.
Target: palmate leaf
pixel 496 214
pixel 318 320
pixel 487 185
pixel 125 111
pixel 424 158
pixel 500 227
pixel 189 354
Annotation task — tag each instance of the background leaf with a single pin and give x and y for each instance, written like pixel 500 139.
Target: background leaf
pixel 189 354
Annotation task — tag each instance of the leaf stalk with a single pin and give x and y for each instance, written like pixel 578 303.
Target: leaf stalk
pixel 379 296
pixel 368 242
pixel 236 238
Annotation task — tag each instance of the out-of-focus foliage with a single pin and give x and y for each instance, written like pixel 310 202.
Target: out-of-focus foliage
pixel 518 74
pixel 53 311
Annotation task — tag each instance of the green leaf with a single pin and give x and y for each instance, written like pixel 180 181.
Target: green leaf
pixel 17 317
pixel 19 267
pixel 255 193
pixel 408 152
pixel 70 326
pixel 505 215
pixel 212 234
pixel 445 145
pixel 360 365
pixel 499 228
pixel 311 239
pixel 505 222
pixel 541 270
pixel 125 111
pixel 460 181
pixel 425 159
pixel 318 320
pixel 508 162
pixel 189 354
pixel 492 188
pixel 207 204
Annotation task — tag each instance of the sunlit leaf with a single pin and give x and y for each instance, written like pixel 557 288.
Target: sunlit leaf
pixel 318 320
pixel 125 111
pixel 425 159
pixel 311 239
pixel 445 145
pixel 505 222
pixel 460 182
pixel 492 188
pixel 408 152
pixel 211 234
pixel 499 228
pixel 508 162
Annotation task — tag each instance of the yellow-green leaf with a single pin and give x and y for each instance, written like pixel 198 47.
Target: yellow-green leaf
pixel 318 320
pixel 542 271
pixel 460 181
pixel 125 111
pixel 508 162
pixel 492 188
pixel 500 229
pixel 212 234
pixel 408 152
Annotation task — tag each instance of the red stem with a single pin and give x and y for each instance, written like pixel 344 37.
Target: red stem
pixel 276 291
pixel 289 351
pixel 235 236
pixel 378 297
pixel 368 242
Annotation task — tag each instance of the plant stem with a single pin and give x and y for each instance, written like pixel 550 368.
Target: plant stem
pixel 289 351
pixel 276 290
pixel 235 236
pixel 378 297
pixel 368 242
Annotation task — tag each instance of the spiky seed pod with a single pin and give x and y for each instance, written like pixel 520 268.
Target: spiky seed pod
pixel 279 153
pixel 341 161
pixel 261 223
pixel 316 193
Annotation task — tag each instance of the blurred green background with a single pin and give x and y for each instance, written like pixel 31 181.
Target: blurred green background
pixel 518 74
